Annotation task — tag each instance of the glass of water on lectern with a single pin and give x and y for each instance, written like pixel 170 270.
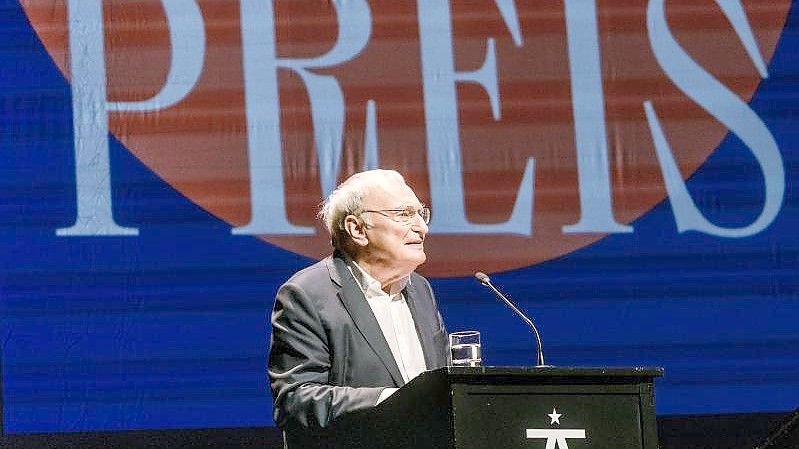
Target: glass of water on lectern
pixel 465 348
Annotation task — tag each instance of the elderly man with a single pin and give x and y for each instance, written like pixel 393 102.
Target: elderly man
pixel 351 329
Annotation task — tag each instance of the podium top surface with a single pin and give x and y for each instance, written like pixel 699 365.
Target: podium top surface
pixel 553 371
pixel 483 374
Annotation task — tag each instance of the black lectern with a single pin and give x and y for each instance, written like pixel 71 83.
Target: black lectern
pixel 508 408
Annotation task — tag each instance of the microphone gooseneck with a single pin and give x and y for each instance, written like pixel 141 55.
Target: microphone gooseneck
pixel 485 280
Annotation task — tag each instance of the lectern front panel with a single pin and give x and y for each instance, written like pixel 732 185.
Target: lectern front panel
pixel 548 417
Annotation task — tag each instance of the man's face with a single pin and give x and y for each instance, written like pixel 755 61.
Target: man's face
pixel 391 244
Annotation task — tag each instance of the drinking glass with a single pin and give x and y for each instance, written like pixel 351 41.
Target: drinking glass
pixel 465 348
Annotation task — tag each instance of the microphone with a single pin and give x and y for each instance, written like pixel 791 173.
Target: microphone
pixel 485 280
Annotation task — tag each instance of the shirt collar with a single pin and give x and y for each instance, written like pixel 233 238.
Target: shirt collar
pixel 370 286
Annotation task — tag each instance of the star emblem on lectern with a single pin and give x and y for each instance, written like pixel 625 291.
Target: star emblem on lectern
pixel 555 417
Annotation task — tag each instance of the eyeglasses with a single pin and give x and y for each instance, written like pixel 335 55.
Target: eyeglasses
pixel 405 216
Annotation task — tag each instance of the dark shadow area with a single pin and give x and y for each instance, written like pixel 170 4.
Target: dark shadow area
pixel 243 438
pixel 737 431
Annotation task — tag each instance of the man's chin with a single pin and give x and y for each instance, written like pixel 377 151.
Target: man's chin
pixel 417 258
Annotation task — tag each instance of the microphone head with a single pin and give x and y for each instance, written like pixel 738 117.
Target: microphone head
pixel 482 277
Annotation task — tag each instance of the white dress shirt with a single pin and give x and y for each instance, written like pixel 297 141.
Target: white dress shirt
pixel 395 320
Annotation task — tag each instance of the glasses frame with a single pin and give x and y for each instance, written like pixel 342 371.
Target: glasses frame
pixel 422 212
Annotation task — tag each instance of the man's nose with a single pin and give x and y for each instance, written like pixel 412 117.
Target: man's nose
pixel 418 225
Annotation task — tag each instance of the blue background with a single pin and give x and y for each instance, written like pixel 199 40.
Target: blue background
pixel 170 329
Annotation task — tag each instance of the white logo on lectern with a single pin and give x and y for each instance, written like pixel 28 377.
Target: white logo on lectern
pixel 556 438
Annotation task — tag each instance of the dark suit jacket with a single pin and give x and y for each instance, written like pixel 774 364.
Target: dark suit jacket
pixel 328 356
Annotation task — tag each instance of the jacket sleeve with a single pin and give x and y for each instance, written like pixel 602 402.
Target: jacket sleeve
pixel 300 364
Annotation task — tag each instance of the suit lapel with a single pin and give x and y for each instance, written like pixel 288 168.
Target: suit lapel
pixel 421 318
pixel 354 301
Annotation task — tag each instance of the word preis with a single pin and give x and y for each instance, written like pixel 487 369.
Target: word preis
pixel 440 79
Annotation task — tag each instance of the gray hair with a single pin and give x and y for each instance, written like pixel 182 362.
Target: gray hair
pixel 347 200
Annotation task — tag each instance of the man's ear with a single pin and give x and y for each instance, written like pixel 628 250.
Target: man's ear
pixel 356 229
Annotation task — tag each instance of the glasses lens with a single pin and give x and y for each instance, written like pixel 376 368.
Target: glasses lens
pixel 425 214
pixel 405 216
